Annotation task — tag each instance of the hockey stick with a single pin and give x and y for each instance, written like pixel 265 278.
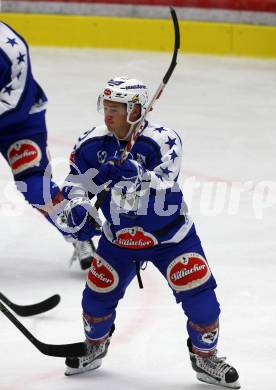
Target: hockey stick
pixel 60 350
pixel 30 310
pixel 138 127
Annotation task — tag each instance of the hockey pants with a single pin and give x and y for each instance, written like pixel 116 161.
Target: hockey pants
pixel 186 270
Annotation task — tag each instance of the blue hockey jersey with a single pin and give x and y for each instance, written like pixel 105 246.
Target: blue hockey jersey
pixel 20 94
pixel 153 215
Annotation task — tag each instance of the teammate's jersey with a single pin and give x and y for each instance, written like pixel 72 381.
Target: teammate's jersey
pixel 156 213
pixel 20 95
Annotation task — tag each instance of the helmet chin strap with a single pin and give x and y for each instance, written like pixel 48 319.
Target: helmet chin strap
pixel 132 123
pixel 125 138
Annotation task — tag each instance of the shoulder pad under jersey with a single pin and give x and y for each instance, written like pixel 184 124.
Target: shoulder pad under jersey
pixel 92 135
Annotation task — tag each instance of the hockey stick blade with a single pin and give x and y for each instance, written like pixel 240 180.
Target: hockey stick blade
pixel 30 310
pixel 59 350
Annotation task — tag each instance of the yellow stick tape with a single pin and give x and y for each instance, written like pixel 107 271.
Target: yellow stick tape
pixel 143 34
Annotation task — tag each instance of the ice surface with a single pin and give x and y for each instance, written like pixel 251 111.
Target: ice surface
pixel 225 112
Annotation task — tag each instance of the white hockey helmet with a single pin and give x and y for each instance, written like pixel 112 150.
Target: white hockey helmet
pixel 125 90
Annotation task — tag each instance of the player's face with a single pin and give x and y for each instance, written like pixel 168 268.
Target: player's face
pixel 115 117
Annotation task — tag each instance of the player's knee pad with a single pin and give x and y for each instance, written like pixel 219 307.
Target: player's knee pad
pixel 99 304
pixel 202 310
pixel 95 327
pixel 204 338
pixel 203 307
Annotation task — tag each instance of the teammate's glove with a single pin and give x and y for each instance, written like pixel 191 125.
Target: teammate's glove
pixel 130 172
pixel 82 218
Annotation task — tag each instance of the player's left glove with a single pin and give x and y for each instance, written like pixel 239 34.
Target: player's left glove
pixel 82 218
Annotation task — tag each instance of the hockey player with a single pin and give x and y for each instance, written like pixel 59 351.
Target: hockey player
pixel 23 133
pixel 146 220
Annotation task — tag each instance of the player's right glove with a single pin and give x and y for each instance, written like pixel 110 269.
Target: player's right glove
pixel 130 173
pixel 82 218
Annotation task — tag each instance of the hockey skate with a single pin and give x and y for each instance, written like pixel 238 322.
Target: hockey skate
pixel 83 252
pixel 214 370
pixel 92 360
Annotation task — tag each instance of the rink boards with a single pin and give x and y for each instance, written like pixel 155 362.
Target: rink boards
pixel 144 34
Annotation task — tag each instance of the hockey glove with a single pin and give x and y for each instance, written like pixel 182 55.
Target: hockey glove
pixel 129 174
pixel 82 218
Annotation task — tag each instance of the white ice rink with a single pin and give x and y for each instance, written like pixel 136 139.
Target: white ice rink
pixel 225 112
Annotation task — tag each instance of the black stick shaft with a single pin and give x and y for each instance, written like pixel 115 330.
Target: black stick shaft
pixel 60 350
